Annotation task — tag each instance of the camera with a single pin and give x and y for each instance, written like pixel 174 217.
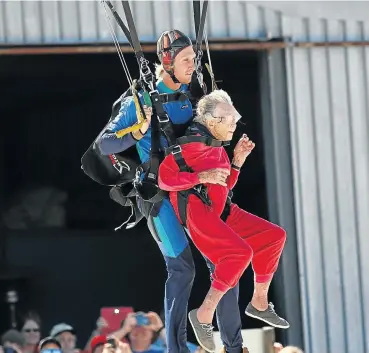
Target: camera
pixel 142 319
pixel 112 342
pixel 9 350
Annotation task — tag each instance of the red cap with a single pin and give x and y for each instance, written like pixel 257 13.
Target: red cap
pixel 97 341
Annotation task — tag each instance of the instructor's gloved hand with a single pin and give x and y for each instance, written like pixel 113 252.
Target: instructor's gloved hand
pixel 214 176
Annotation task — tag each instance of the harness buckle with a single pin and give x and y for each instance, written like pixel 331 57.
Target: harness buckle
pixel 176 149
pixel 164 120
pixel 137 179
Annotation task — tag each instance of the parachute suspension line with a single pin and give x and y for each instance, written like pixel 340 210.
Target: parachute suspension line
pixel 199 20
pixel 210 66
pixel 116 43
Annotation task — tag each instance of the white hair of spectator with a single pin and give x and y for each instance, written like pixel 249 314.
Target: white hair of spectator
pixel 207 105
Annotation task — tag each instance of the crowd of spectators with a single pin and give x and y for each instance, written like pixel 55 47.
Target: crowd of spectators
pixel 131 337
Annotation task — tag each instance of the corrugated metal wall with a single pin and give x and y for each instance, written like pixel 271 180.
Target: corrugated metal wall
pixel 56 22
pixel 329 121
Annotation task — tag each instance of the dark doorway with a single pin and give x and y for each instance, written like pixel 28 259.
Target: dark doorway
pixel 52 107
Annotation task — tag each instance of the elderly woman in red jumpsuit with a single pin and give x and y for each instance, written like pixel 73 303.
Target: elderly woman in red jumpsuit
pixel 241 238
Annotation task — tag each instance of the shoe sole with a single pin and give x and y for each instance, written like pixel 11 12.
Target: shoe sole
pixel 198 340
pixel 266 321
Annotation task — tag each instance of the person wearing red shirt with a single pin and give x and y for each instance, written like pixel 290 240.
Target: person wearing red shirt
pixel 199 176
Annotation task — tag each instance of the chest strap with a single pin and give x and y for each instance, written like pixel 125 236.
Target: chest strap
pixel 172 97
pixel 206 140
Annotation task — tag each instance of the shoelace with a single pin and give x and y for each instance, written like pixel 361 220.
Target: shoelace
pixel 271 306
pixel 208 328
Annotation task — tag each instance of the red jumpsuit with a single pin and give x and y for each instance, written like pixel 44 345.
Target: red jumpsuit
pixel 229 245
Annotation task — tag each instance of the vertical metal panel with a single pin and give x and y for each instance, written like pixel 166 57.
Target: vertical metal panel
pixel 70 20
pixel 280 187
pixel 218 20
pixel 13 22
pixel 162 17
pixel 2 21
pixel 51 21
pixel 32 22
pixel 88 14
pixel 236 11
pixel 328 90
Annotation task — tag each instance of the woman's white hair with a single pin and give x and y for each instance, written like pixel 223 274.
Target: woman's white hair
pixel 207 105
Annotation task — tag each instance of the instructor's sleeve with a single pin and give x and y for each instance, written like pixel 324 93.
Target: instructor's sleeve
pixel 233 178
pixel 171 179
pixel 109 143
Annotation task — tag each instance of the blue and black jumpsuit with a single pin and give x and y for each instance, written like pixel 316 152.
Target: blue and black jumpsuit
pixel 171 237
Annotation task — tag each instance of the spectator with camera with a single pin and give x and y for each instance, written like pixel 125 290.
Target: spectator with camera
pixel 141 330
pixel 114 346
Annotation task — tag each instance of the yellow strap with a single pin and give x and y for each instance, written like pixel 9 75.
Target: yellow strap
pixel 129 129
pixel 140 117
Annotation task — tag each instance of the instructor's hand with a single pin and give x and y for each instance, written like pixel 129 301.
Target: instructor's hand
pixel 214 176
pixel 148 113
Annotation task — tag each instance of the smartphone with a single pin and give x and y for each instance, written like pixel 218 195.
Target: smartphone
pixel 142 319
pixel 112 342
pixel 9 350
pixel 114 317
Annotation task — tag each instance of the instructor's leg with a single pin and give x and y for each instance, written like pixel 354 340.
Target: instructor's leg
pixel 173 243
pixel 228 318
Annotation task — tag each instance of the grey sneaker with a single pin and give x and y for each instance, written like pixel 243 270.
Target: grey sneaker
pixel 203 332
pixel 269 316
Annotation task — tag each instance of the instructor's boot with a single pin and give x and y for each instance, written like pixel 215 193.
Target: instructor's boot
pixel 269 316
pixel 203 332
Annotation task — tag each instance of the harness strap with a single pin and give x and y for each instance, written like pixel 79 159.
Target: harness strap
pixel 133 32
pixel 227 208
pixel 171 97
pixel 199 191
pixel 177 154
pixel 164 123
pixel 182 196
pixel 206 140
pixel 120 22
pixel 200 22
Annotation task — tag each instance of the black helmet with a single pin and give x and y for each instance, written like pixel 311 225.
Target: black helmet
pixel 169 45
